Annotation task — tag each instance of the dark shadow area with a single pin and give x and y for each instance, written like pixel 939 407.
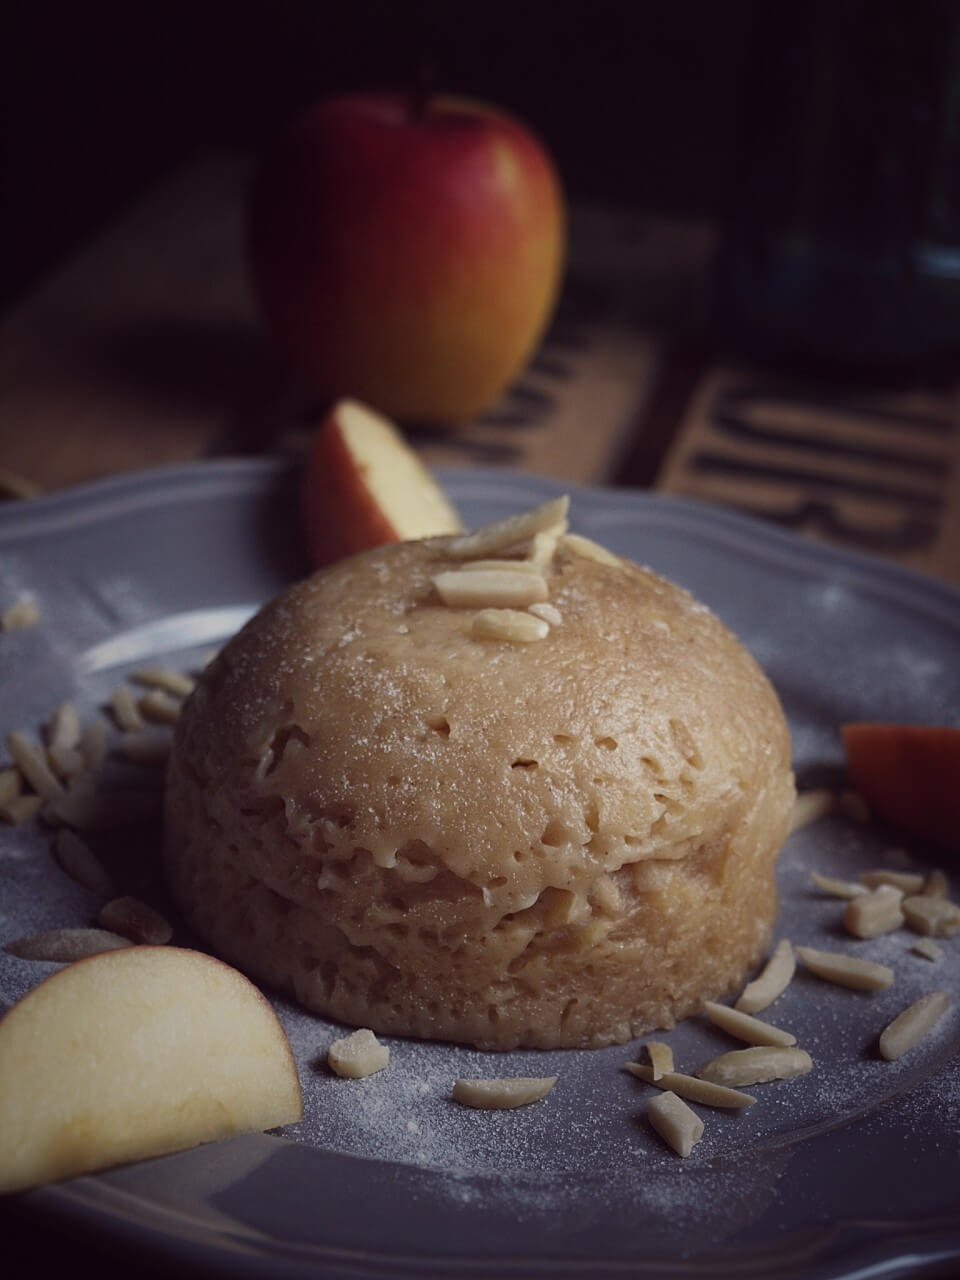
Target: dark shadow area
pixel 179 366
pixel 99 101
pixel 279 524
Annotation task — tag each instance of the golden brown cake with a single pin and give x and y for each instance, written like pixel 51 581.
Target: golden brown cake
pixel 409 821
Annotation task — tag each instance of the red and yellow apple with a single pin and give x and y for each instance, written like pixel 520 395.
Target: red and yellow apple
pixel 365 486
pixel 407 251
pixel 137 1053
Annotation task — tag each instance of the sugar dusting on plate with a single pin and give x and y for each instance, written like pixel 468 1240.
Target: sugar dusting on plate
pixel 590 1132
pixel 592 1125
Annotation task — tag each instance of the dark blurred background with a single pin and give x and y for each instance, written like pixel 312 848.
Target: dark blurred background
pixel 101 98
pixel 824 136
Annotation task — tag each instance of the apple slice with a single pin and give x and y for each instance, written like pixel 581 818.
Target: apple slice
pixel 136 1053
pixel 365 486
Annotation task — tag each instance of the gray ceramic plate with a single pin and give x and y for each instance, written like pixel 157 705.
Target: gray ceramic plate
pixel 853 1169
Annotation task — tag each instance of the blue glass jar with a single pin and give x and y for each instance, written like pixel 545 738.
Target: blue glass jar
pixel 842 247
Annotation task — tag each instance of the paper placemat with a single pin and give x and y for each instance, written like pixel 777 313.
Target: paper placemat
pixel 872 471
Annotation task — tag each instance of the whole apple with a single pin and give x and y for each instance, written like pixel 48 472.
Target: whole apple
pixel 407 251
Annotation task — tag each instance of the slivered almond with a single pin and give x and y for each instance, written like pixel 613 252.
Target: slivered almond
pixel 677 1125
pixel 63 946
pixel 937 885
pixel 11 785
pixel 490 589
pixel 158 707
pixel 811 806
pixel 890 890
pixel 838 888
pixel 81 863
pixel 508 624
pixel 702 1091
pixel 756 1066
pixel 745 1027
pixel 846 971
pixel 64 727
pixel 543 548
pixel 927 948
pixel 21 809
pixel 66 762
pixel 661 1057
pixel 509 1092
pixel 20 615
pixel 135 920
pixel 590 550
pixel 124 708
pixel 906 881
pixel 909 1027
pixel 547 611
pixel 165 678
pixel 873 914
pixel 937 917
pixel 33 765
pixel 500 566
pixel 771 982
pixel 358 1055
pixel 510 534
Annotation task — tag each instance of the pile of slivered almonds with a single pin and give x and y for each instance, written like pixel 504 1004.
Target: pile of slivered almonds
pixel 878 902
pixel 511 595
pixel 59 780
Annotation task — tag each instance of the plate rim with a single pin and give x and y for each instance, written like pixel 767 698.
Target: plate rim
pixel 111 496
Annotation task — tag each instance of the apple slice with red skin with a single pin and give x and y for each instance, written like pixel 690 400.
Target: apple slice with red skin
pixel 364 486
pixel 137 1053
pixel 910 777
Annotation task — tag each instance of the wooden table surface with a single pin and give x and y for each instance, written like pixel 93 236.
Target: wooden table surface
pixel 145 349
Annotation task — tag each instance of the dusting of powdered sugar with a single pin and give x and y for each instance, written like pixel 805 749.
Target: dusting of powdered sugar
pixel 591 1130
pixel 592 1126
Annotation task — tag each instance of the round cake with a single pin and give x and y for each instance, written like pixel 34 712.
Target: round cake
pixel 419 795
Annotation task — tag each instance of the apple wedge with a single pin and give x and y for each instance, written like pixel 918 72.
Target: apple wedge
pixel 365 486
pixel 137 1053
